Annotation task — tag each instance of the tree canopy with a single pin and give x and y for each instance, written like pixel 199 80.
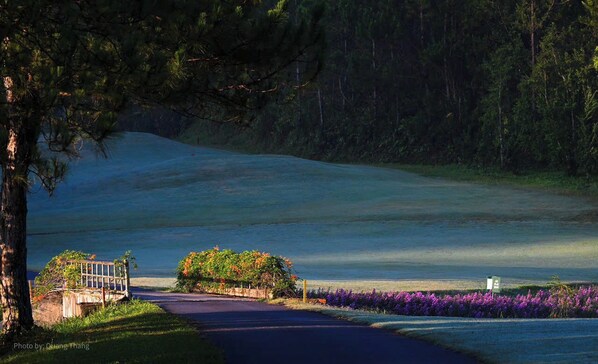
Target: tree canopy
pixel 69 66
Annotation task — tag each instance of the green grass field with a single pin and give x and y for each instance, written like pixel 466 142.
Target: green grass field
pixel 336 222
pixel 137 332
pixel 553 181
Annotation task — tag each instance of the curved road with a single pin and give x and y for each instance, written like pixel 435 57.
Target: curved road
pixel 249 331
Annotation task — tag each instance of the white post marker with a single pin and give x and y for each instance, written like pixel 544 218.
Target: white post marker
pixel 305 291
pixel 493 284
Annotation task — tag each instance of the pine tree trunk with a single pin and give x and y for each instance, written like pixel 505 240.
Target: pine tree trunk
pixel 321 107
pixel 23 123
pixel 532 31
pixel 572 165
pixel 298 83
pixel 16 304
pixel 500 128
pixel 444 52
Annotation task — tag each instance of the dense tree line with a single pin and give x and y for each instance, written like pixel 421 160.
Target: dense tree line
pixel 509 83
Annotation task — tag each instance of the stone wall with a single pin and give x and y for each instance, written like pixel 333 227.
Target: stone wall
pixel 49 310
pixel 259 293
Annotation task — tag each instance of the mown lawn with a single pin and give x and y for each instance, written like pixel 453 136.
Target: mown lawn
pixel 137 332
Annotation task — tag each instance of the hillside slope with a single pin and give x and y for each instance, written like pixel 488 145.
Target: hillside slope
pixel 162 199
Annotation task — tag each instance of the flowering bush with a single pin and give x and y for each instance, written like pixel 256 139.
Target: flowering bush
pixel 559 302
pixel 57 273
pixel 217 269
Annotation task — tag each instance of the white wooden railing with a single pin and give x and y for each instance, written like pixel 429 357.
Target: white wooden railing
pixel 104 275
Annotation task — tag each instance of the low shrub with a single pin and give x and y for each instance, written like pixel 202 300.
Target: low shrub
pixel 553 303
pixel 216 270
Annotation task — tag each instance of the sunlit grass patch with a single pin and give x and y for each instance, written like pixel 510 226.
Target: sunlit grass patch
pixel 136 332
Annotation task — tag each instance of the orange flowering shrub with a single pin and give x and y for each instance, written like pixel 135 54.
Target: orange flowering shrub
pixel 220 269
pixel 56 273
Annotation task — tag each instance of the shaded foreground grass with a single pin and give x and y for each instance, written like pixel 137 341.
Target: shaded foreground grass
pixel 137 332
pixel 554 181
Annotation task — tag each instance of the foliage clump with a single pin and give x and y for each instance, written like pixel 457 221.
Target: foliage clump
pixel 58 273
pixel 217 270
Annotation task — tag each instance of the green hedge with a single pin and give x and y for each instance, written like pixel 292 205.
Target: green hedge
pixel 217 269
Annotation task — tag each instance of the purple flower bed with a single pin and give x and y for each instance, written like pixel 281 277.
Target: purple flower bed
pixel 562 302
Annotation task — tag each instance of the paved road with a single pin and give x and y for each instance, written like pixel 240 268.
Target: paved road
pixel 254 332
